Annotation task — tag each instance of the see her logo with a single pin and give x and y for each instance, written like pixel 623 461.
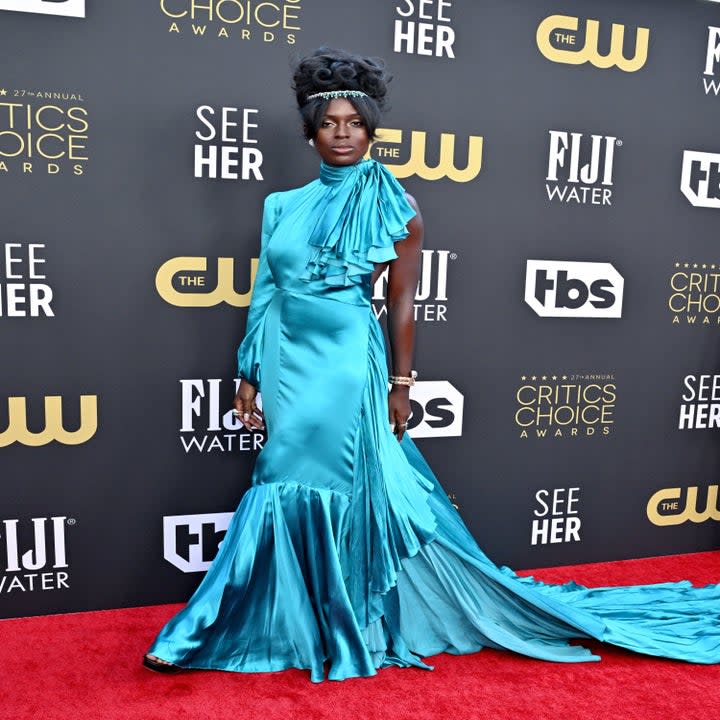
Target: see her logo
pixel 69 8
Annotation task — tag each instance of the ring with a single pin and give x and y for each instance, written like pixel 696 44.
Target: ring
pixel 236 413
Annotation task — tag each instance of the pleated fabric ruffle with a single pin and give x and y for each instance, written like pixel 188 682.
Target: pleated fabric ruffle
pixel 362 213
pixel 672 620
pixel 275 596
pixel 391 518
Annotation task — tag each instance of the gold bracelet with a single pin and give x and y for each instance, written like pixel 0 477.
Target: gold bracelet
pixel 403 380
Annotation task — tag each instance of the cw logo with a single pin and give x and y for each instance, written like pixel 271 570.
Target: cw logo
pixel 191 295
pixel 667 500
pixel 557 26
pixel 17 430
pixel 417 164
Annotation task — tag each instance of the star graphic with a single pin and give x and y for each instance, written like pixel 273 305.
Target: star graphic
pixel 677 264
pixel 3 91
pixel 564 377
pixel 695 265
pixel 704 266
pixel 544 377
pixel 686 265
pixel 523 378
pixel 712 267
pixel 554 377
pixel 534 377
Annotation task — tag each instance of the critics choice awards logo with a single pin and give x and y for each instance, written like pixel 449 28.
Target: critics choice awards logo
pixel 82 428
pixel 69 8
pixel 35 554
pixel 432 291
pixel 406 159
pixel 226 148
pixel 24 291
pixel 567 405
pixel 678 505
pixel 43 132
pixel 573 289
pixel 694 294
pixel 556 517
pixel 207 424
pixel 700 179
pixel 424 27
pixel 567 39
pixel 580 168
pixel 187 282
pixel 712 62
pixel 259 20
pixel 191 542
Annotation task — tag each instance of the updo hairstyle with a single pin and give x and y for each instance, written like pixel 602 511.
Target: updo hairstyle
pixel 328 69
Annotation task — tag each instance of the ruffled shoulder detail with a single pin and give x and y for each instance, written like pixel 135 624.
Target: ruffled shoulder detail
pixel 363 215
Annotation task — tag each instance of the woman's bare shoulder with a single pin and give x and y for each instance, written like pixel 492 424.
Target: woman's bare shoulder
pixel 413 202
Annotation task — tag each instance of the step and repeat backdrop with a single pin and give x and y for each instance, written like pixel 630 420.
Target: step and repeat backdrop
pixel 566 156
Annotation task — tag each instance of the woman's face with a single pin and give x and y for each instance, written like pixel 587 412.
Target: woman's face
pixel 342 138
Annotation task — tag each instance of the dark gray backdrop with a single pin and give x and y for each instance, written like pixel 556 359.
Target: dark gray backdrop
pixel 137 204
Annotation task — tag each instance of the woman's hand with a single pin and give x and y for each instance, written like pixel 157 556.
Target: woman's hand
pixel 249 413
pixel 399 407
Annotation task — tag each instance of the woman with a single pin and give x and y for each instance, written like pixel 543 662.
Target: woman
pixel 346 550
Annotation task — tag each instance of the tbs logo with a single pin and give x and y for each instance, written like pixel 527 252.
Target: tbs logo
pixel 191 542
pixel 437 410
pixel 700 182
pixel 573 289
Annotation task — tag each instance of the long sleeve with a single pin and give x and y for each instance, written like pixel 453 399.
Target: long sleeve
pixel 249 353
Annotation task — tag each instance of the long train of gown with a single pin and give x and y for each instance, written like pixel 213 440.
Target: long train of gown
pixel 345 555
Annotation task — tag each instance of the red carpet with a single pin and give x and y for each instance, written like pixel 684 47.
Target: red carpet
pixel 86 666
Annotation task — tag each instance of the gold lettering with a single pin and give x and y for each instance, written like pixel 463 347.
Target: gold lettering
pixel 269 23
pixel 163 7
pixel 689 513
pixel 224 292
pixel 84 125
pixel 221 16
pixel 45 154
pixel 74 146
pixel 518 419
pixel 417 164
pixel 671 303
pixel 589 52
pixel 41 110
pixel 21 147
pixel 520 391
pixel 673 281
pixel 17 430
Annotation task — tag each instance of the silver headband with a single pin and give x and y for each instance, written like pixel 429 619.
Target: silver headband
pixel 330 94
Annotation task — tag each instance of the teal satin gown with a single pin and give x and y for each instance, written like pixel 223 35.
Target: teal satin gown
pixel 346 555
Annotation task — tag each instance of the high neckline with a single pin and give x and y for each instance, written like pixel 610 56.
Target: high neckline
pixel 335 174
